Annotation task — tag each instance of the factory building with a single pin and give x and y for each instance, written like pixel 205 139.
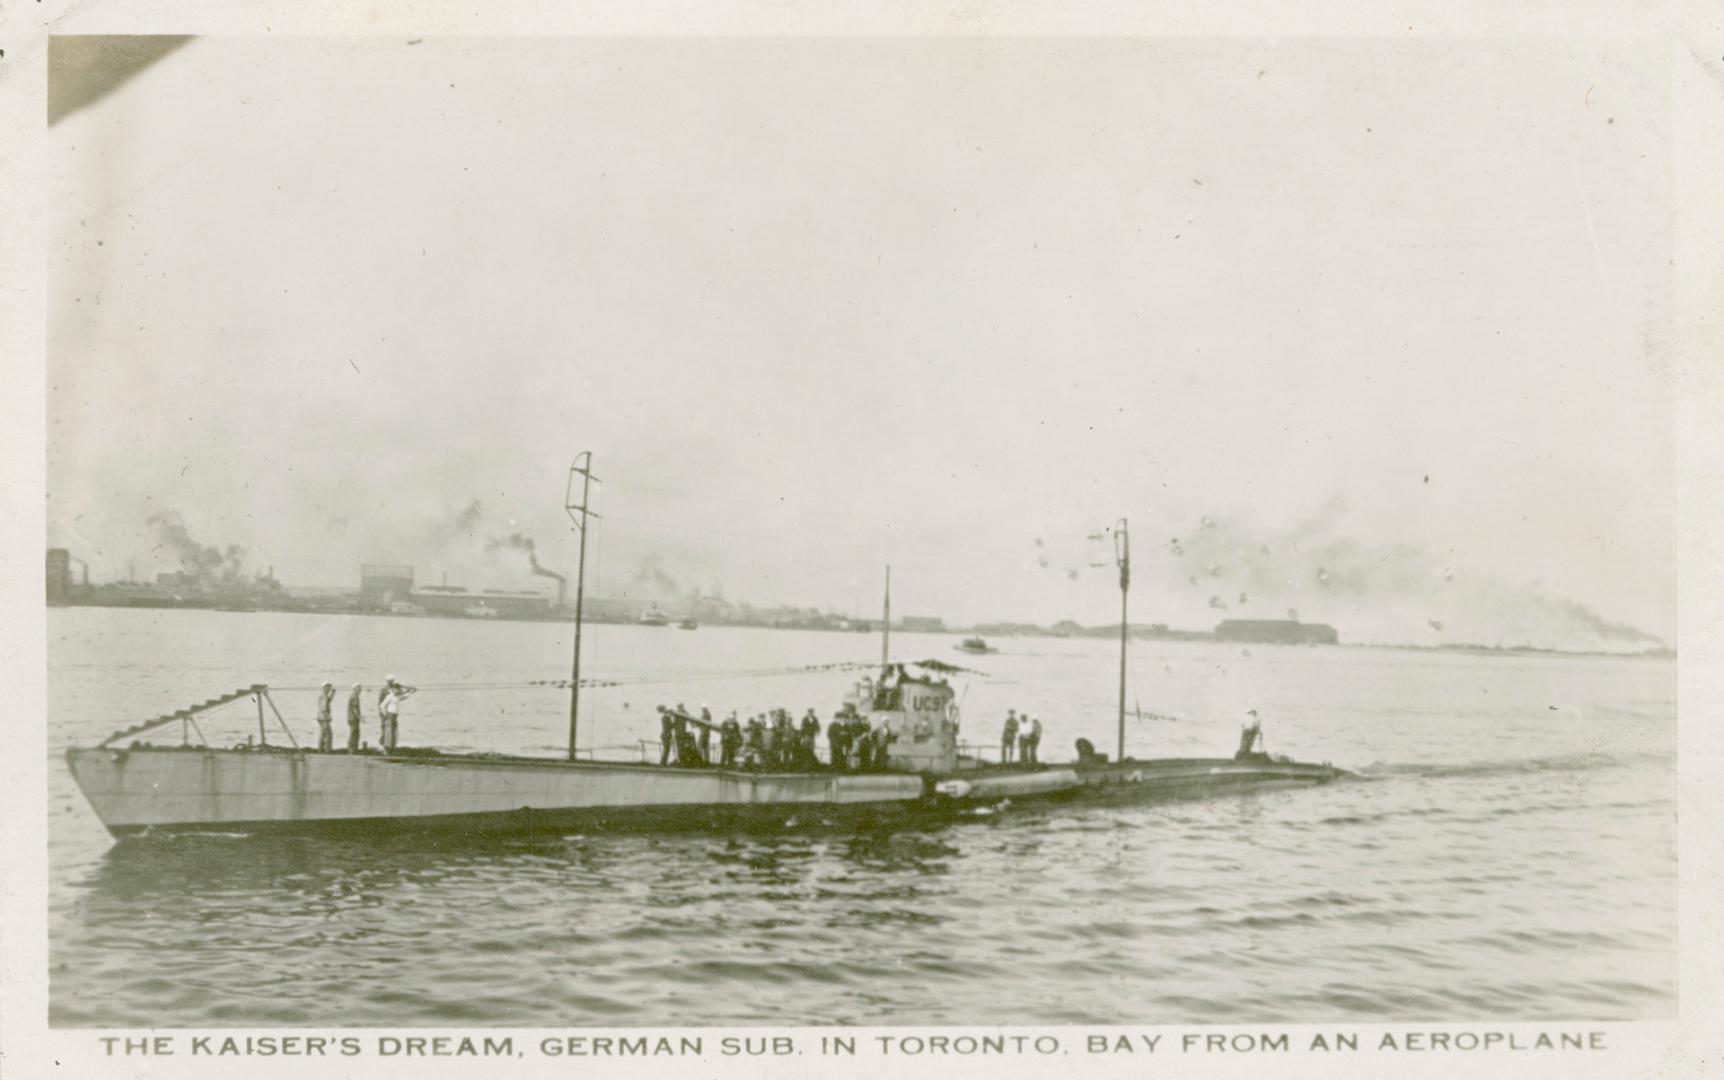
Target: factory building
pixel 480 603
pixel 381 585
pixel 922 624
pixel 1276 632
pixel 59 575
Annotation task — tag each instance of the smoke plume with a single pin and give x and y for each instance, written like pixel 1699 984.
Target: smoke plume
pixel 518 542
pixel 467 520
pixel 1583 616
pixel 651 579
pixel 1407 593
pixel 206 563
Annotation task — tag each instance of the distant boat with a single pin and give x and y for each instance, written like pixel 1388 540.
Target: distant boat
pixel 652 616
pixel 975 646
pixel 688 624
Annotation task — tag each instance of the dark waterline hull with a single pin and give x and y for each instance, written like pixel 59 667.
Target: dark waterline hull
pixel 173 790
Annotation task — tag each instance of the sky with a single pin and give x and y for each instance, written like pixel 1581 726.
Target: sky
pixel 1364 330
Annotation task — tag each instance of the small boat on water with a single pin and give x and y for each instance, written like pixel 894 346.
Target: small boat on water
pixel 652 616
pixel 975 646
pixel 688 624
pixel 921 771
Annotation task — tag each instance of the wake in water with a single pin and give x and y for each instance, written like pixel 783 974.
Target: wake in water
pixel 1588 762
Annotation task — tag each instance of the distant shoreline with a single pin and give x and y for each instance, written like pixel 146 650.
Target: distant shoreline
pixel 833 626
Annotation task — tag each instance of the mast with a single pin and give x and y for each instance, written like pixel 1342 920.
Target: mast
pixel 1122 556
pixel 578 513
pixel 886 621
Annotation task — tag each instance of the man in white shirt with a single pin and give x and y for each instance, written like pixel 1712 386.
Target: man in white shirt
pixel 390 709
pixel 393 695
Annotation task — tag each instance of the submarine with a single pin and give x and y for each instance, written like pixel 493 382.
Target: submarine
pixel 921 771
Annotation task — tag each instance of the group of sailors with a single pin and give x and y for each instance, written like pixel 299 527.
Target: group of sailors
pixel 1022 735
pixel 772 741
pixel 768 741
pixel 389 699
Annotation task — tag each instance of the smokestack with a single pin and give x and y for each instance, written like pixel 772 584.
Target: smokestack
pixel 525 543
pixel 562 582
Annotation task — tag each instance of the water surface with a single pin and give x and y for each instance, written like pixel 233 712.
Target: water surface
pixel 1507 852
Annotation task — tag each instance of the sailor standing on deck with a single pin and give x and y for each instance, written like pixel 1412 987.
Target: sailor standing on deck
pixel 756 741
pixel 1249 733
pixel 783 740
pixel 883 738
pixel 838 739
pixel 325 736
pixel 1008 736
pixel 1033 742
pixel 862 742
pixel 688 753
pixel 810 733
pixel 355 716
pixel 729 740
pixel 666 735
pixel 393 695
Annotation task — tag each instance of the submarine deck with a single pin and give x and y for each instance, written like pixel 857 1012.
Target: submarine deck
pixel 270 790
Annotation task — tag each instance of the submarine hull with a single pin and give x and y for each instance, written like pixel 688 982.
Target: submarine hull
pixel 167 789
pixel 162 789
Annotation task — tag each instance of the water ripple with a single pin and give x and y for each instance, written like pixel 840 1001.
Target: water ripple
pixel 1503 862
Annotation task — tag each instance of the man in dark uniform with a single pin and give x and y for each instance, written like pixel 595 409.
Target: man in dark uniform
pixel 838 740
pixel 783 740
pixel 666 735
pixel 687 750
pixel 757 749
pixel 883 740
pixel 1249 735
pixel 729 741
pixel 862 738
pixel 682 737
pixel 810 733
